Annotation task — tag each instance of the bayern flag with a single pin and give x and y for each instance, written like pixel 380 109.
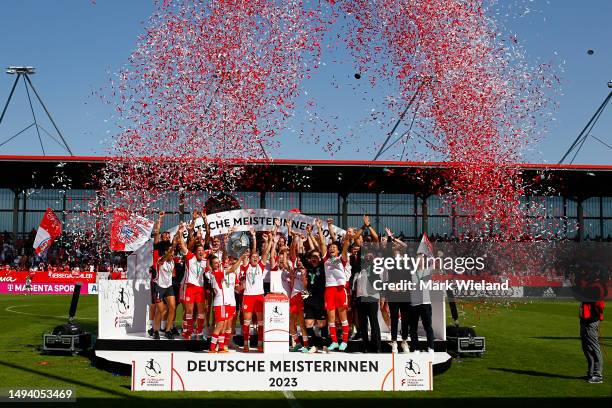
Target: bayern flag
pixel 425 246
pixel 129 231
pixel 49 229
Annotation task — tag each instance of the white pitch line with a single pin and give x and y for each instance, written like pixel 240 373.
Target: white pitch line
pixel 10 309
pixel 291 399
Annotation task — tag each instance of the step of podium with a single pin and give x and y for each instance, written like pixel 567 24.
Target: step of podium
pixel 148 344
pixel 142 343
pixel 357 346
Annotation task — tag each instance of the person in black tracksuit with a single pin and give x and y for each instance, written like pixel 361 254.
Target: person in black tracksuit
pixel 177 278
pixel 399 304
pixel 314 303
pixel 368 303
pixel 420 309
pixel 355 262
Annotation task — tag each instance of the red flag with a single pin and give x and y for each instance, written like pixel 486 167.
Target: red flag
pixel 425 246
pixel 49 229
pixel 129 231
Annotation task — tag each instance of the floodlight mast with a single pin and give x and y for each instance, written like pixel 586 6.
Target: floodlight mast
pixel 20 70
pixel 584 134
pixel 25 72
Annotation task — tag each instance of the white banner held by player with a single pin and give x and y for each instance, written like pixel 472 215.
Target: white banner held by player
pixel 261 220
pixel 185 371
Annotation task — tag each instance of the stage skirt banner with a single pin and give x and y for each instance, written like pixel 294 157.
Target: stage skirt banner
pixel 41 288
pixel 115 308
pixel 186 371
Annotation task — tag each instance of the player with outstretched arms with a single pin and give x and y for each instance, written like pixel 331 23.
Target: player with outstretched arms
pixel 192 286
pixel 252 273
pixel 293 276
pixel 337 274
pixel 314 293
pixel 223 281
pixel 161 243
pixel 165 300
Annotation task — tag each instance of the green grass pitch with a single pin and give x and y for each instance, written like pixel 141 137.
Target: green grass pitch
pixel 533 358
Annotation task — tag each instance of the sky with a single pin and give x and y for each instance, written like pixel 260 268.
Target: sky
pixel 75 45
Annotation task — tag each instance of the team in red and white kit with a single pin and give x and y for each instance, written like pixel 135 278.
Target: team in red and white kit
pixel 315 273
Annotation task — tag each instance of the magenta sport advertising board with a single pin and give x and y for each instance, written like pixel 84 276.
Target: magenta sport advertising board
pixel 46 288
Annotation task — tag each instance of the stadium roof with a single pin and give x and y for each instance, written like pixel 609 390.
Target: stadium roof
pixel 569 180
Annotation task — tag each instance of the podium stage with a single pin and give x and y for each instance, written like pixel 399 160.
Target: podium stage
pixel 122 340
pixel 120 349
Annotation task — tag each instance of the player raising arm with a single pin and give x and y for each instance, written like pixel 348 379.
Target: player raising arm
pixel 223 282
pixel 252 273
pixel 368 226
pixel 313 279
pixel 337 274
pixel 192 286
pixel 164 293
pixel 313 244
pixel 293 275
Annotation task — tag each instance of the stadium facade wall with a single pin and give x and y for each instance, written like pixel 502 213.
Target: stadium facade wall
pixel 405 214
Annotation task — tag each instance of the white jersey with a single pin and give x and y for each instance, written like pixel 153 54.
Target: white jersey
pixel 165 270
pixel 337 271
pixel 266 270
pixel 298 284
pixel 218 254
pixel 362 284
pixel 194 270
pixel 420 294
pixel 254 278
pixel 284 280
pixel 223 285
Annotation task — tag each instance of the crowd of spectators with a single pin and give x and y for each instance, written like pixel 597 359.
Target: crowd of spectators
pixel 71 251
pixel 68 252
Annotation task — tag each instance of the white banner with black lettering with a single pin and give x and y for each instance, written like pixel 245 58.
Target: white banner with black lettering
pixel 261 220
pixel 185 371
